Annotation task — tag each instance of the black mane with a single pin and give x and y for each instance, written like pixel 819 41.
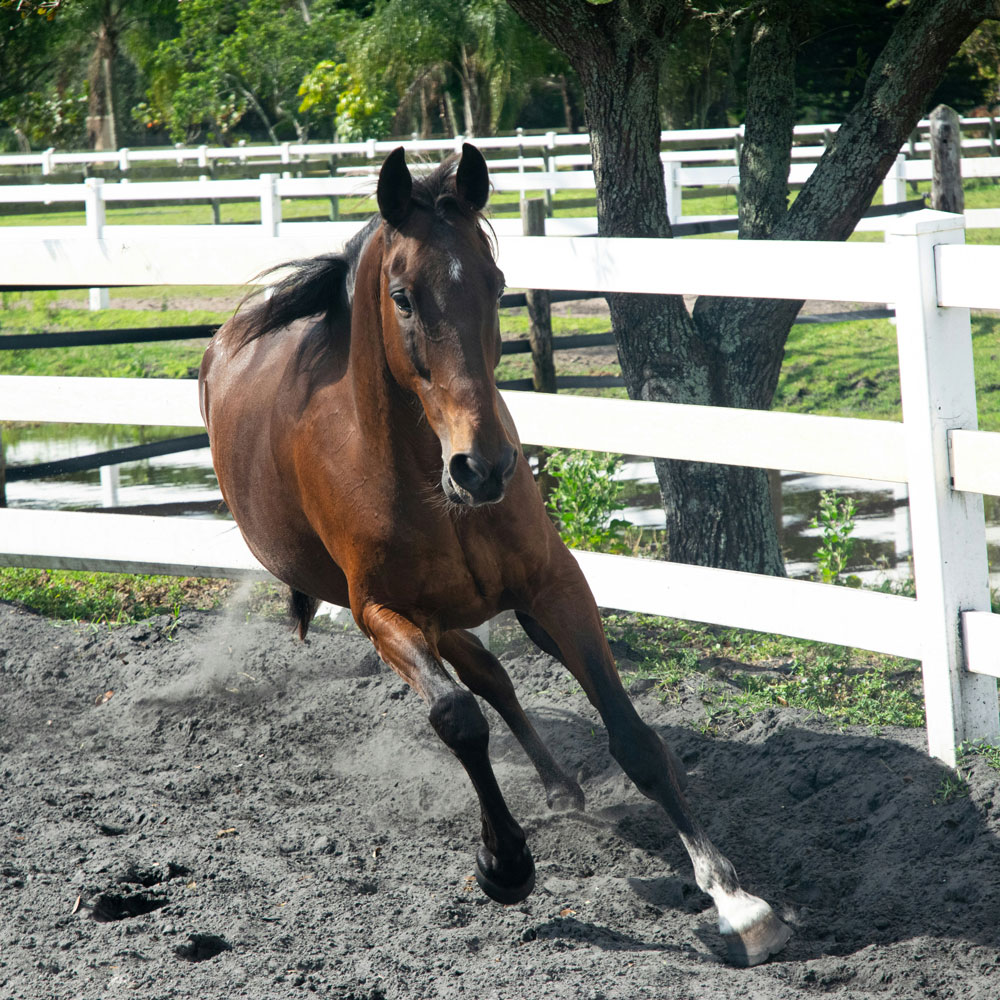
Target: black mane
pixel 323 286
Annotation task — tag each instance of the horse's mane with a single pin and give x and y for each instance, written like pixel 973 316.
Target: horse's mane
pixel 323 286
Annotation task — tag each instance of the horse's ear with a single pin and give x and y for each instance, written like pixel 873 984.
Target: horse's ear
pixel 394 188
pixel 472 179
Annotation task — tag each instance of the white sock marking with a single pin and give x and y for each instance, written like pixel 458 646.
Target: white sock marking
pixel 738 911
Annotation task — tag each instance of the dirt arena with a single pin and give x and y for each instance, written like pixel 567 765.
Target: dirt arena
pixel 207 808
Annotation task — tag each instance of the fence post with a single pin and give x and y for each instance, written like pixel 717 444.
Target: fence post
pixel 671 181
pixel 543 372
pixel 94 206
pixel 110 481
pixel 946 160
pixel 3 471
pixel 549 158
pixel 47 161
pixel 948 529
pixel 270 204
pixel 894 185
pixel 207 164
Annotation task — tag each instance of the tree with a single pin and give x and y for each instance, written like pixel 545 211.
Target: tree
pixel 231 59
pixel 75 50
pixel 358 109
pixel 728 352
pixel 982 51
pixel 421 46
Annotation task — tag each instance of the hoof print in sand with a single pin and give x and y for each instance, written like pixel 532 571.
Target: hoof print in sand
pixel 111 906
pixel 202 947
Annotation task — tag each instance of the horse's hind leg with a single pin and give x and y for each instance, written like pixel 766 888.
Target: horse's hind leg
pixel 480 671
pixel 547 644
pixel 504 867
pixel 569 620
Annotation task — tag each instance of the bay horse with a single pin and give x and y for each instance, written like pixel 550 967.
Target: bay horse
pixel 363 448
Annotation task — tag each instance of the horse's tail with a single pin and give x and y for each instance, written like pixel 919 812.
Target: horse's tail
pixel 301 609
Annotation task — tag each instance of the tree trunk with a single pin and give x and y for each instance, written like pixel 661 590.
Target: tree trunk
pixel 466 74
pixel 567 107
pixel 101 131
pixel 715 515
pixel 425 118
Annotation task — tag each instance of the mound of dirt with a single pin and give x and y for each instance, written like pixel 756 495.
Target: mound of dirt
pixel 207 808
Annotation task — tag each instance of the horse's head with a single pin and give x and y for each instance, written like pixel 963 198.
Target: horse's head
pixel 439 292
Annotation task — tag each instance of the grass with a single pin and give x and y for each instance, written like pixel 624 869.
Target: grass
pixel 112 598
pixel 852 369
pixel 738 673
pixel 124 599
pixel 52 311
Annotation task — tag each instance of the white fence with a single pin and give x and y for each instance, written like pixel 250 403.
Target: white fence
pixel 269 190
pixel 923 268
pixel 290 153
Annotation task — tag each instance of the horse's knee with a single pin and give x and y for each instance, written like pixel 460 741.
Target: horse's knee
pixel 457 719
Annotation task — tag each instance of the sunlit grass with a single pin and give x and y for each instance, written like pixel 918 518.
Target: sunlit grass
pixel 736 673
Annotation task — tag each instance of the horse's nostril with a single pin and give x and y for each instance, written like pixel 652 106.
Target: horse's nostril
pixel 468 471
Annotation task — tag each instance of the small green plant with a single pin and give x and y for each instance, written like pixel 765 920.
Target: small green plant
pixel 986 751
pixel 835 521
pixel 585 498
pixel 952 787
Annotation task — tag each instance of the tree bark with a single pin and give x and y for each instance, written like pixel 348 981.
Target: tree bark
pixel 728 352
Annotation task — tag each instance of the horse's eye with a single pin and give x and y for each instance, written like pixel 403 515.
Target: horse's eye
pixel 503 288
pixel 402 303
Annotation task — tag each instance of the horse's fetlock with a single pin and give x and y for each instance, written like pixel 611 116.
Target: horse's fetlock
pixel 457 719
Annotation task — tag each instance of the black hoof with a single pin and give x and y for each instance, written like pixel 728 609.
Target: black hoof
pixel 501 890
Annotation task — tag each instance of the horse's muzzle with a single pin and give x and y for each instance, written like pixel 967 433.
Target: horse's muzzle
pixel 470 479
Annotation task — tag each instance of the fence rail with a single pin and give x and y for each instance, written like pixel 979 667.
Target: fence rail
pixel 291 152
pixel 948 626
pixel 269 191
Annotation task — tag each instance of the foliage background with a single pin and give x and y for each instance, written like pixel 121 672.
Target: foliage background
pixel 79 73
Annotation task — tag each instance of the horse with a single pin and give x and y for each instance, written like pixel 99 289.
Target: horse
pixel 367 457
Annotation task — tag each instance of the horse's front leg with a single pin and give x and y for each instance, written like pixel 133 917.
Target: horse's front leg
pixel 563 620
pixel 504 867
pixel 481 672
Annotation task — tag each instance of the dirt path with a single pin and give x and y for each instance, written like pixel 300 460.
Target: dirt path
pixel 270 819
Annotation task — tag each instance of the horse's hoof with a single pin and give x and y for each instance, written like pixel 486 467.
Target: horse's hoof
pixel 500 889
pixel 566 797
pixel 756 942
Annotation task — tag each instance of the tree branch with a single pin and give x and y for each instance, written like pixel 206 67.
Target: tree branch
pixel 766 153
pixel 904 76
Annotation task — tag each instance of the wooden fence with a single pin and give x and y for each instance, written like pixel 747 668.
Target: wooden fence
pixel 948 464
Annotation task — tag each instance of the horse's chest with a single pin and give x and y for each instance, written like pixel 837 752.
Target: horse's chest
pixel 441 572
